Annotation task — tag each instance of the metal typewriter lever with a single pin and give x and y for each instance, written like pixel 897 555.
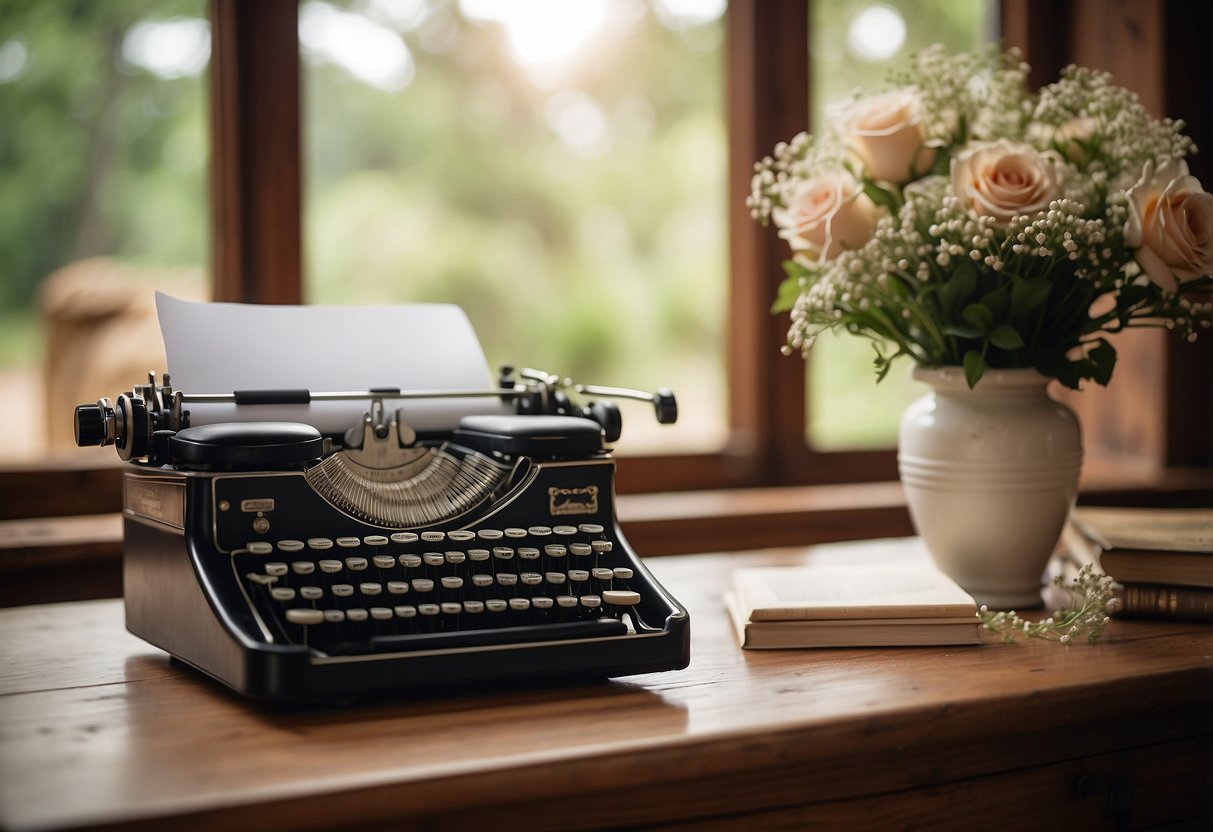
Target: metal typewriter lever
pixel 382 442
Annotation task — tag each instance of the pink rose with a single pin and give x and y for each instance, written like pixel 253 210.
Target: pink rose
pixel 1005 179
pixel 886 133
pixel 1170 224
pixel 827 215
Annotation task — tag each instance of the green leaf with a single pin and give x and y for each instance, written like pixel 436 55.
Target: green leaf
pixel 957 287
pixel 1102 360
pixel 1027 295
pixel 998 302
pixel 979 316
pixel 1056 365
pixel 785 298
pixel 975 367
pixel 961 331
pixel 1006 337
pixel 881 197
pixel 793 269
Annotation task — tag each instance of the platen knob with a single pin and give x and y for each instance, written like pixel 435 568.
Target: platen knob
pixel 89 425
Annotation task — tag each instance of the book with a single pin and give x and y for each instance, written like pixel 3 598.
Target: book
pixel 866 605
pixel 1160 546
pixel 1180 603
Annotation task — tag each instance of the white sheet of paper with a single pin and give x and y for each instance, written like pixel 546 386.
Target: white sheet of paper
pixel 224 347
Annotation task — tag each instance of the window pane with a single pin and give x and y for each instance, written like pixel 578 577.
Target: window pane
pixel 853 46
pixel 555 168
pixel 103 149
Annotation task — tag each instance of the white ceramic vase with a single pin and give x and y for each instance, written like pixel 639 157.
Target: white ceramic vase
pixel 990 475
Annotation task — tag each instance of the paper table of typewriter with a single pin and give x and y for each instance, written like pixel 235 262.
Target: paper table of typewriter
pixel 299 542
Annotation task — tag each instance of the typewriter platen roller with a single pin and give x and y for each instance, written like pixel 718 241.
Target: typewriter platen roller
pixel 292 564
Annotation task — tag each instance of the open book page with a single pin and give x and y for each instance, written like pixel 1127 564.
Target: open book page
pixel 849 592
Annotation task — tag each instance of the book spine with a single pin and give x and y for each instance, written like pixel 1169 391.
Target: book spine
pixel 1179 603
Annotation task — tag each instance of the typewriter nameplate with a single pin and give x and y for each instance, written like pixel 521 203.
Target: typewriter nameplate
pixel 162 501
pixel 565 501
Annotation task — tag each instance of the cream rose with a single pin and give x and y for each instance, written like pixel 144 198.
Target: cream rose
pixel 886 133
pixel 827 215
pixel 1171 224
pixel 1004 179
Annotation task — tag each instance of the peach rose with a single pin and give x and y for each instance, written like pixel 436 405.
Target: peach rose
pixel 1171 224
pixel 827 215
pixel 1004 179
pixel 885 131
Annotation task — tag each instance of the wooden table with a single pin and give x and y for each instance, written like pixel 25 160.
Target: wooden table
pixel 97 729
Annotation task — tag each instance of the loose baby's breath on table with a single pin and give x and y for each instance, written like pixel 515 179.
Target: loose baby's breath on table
pixel 1091 601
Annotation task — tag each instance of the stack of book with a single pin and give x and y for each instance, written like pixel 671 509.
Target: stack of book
pixel 849 606
pixel 1162 558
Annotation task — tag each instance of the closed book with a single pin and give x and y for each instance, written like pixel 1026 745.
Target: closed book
pixel 1178 603
pixel 866 605
pixel 1161 546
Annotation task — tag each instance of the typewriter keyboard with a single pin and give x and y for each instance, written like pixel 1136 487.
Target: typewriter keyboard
pixel 433 589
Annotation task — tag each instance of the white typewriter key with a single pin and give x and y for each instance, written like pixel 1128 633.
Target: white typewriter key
pixel 503 552
pixel 507 579
pixel 405 611
pixel 404 537
pixel 422 584
pixel 580 549
pixel 578 575
pixel 482 580
pixel 496 605
pixel 260 547
pixel 263 580
pixel 473 607
pixel 319 543
pixel 520 604
pixel 555 550
pixel 428 609
pixel 375 540
pixel 433 537
pixel 541 603
pixel 384 561
pixel 356 614
pixel 381 614
pixel 370 588
pixel 304 616
pixel 343 590
pixel 330 566
pixel 290 545
pixel 398 587
pixel 478 555
pixel 355 564
pixel 311 593
pixel 539 531
pixel 303 567
pixel 590 528
pixel 433 559
pixel 456 557
pixel 623 573
pixel 591 602
pixel 530 578
pixel 489 534
pixel 276 569
pixel 349 542
pixel 460 536
pixel 451 607
pixel 601 547
pixel 515 533
pixel 528 553
pixel 452 582
pixel 564 531
pixel 621 597
pixel 567 602
pixel 334 616
pixel 555 577
pixel 602 574
pixel 282 593
pixel 410 561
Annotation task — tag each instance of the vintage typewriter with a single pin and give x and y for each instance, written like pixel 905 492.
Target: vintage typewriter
pixel 295 564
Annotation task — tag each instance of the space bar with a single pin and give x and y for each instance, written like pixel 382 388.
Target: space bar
pixel 569 630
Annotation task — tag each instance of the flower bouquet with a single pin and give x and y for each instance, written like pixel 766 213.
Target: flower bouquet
pixel 957 219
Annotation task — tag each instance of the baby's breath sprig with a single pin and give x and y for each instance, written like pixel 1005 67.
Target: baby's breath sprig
pixel 1091 600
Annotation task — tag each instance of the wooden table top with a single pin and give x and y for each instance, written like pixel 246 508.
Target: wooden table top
pixel 98 728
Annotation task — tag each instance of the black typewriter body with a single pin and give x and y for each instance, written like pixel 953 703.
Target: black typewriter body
pixel 490 554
